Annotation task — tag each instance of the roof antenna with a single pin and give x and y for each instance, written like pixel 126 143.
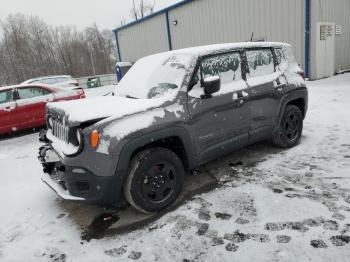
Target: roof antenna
pixel 252 37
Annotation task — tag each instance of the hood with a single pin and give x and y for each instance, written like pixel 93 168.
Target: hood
pixel 76 112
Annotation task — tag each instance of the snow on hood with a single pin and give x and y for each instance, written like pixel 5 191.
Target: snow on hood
pixel 79 111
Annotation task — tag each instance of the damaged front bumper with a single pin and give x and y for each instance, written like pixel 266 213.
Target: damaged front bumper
pixel 59 189
pixel 75 183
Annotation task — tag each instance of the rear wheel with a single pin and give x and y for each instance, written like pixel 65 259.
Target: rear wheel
pixel 290 129
pixel 155 180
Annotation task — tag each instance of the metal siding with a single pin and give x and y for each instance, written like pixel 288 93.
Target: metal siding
pixel 338 12
pixel 211 21
pixel 145 38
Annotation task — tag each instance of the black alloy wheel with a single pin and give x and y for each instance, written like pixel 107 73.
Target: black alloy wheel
pixel 159 182
pixel 290 129
pixel 291 126
pixel 155 180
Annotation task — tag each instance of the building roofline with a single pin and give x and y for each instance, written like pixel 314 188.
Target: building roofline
pixel 162 11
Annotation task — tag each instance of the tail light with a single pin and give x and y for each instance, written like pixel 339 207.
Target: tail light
pixel 81 93
pixel 302 74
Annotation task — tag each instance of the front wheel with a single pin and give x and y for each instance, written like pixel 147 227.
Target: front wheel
pixel 155 180
pixel 290 129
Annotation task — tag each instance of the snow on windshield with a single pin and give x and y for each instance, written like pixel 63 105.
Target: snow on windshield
pixel 154 76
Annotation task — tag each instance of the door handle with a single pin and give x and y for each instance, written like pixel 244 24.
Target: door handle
pixel 8 108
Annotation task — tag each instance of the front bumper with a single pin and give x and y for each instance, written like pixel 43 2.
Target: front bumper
pixel 59 189
pixel 76 183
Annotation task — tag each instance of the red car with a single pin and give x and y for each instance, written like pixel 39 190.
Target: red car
pixel 23 106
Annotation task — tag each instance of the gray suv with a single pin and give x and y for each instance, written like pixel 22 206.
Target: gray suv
pixel 171 113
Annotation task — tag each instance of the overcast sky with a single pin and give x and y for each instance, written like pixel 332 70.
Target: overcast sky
pixel 81 13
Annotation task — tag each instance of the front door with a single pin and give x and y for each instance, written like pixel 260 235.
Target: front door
pixel 7 108
pixel 220 123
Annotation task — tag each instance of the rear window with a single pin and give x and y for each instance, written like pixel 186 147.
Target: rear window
pixel 49 81
pixel 260 62
pixel 62 79
pixel 6 96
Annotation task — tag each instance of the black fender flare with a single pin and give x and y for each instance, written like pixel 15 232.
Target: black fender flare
pixel 134 144
pixel 301 93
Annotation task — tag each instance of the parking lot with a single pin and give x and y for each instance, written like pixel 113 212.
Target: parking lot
pixel 258 204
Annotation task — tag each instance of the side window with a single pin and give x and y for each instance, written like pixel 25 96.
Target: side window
pixel 49 81
pixel 6 96
pixel 280 56
pixel 227 66
pixel 260 62
pixel 30 92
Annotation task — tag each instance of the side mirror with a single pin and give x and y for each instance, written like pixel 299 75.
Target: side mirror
pixel 211 85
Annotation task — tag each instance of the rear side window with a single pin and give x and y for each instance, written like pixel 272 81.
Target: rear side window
pixel 6 96
pixel 280 56
pixel 227 66
pixel 260 62
pixel 25 93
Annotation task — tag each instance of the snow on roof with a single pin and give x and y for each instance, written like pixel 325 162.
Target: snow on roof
pixel 44 77
pixel 2 88
pixel 207 49
pixel 27 85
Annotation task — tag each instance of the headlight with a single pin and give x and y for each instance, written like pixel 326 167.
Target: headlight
pixel 76 138
pixel 79 137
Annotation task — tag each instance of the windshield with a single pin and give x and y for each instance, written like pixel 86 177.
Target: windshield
pixel 155 76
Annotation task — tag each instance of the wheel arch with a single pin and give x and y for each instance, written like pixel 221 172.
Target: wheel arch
pixel 300 103
pixel 298 98
pixel 167 138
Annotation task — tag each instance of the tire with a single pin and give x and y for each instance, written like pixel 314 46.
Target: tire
pixel 291 127
pixel 155 180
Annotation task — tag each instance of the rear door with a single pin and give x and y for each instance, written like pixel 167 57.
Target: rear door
pixel 31 105
pixel 263 98
pixel 7 109
pixel 220 122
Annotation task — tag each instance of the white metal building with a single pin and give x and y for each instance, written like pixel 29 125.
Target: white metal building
pixel 319 30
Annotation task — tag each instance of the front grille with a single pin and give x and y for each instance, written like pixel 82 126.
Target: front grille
pixel 60 131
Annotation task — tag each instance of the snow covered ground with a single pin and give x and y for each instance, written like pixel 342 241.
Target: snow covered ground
pixel 269 205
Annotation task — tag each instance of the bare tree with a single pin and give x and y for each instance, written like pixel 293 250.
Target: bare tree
pixel 31 48
pixel 144 8
pixel 134 11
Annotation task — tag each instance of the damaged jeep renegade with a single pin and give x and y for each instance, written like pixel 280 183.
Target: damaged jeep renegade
pixel 171 113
